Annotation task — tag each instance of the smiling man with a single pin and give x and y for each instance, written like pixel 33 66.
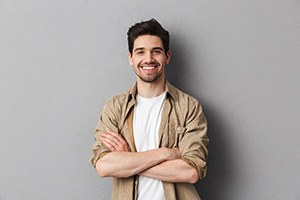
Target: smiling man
pixel 149 58
pixel 151 139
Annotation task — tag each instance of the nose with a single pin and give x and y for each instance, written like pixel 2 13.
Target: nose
pixel 148 57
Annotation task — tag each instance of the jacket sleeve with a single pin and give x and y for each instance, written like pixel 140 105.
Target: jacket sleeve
pixel 107 122
pixel 193 139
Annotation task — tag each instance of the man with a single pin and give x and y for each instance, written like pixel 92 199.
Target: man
pixel 151 139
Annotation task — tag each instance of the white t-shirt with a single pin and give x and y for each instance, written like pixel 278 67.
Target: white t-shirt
pixel 146 123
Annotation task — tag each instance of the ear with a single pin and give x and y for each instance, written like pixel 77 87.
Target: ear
pixel 130 58
pixel 168 55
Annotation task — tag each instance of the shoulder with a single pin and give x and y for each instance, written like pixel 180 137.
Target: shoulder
pixel 184 103
pixel 189 109
pixel 181 97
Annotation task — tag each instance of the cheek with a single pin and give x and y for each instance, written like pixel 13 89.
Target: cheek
pixel 134 61
pixel 163 61
pixel 137 62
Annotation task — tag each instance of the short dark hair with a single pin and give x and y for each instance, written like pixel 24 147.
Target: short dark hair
pixel 150 27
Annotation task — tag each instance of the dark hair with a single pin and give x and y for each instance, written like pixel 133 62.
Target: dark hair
pixel 150 27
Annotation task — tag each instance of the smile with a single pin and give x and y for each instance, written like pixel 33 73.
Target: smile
pixel 148 67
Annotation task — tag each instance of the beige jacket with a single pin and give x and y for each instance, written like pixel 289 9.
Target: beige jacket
pixel 183 125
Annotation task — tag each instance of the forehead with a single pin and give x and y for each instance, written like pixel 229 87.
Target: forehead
pixel 148 42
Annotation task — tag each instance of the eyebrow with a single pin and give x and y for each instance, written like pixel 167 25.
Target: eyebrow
pixel 139 49
pixel 158 48
pixel 142 48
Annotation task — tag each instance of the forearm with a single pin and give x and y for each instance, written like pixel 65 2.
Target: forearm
pixel 172 171
pixel 125 164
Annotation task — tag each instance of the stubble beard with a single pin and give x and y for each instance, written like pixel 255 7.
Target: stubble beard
pixel 149 79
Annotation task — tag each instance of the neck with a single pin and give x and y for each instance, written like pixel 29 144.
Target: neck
pixel 150 90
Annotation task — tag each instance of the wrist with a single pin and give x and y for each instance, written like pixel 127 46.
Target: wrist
pixel 169 153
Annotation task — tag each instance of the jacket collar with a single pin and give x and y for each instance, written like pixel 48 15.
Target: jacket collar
pixel 170 90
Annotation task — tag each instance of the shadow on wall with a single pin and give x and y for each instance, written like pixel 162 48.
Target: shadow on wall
pixel 221 172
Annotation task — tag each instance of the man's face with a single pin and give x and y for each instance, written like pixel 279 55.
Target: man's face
pixel 149 58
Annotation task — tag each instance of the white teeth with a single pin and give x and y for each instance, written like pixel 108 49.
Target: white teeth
pixel 148 67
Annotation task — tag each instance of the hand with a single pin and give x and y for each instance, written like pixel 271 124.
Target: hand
pixel 171 153
pixel 114 141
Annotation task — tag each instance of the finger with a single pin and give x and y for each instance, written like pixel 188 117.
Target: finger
pixel 122 143
pixel 115 140
pixel 117 136
pixel 111 146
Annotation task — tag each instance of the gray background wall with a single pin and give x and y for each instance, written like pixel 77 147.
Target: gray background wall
pixel 61 60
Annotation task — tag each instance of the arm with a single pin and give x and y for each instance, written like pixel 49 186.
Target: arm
pixel 125 164
pixel 122 163
pixel 153 164
pixel 193 140
pixel 172 171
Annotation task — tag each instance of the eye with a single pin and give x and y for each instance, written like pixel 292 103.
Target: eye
pixel 140 52
pixel 157 52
